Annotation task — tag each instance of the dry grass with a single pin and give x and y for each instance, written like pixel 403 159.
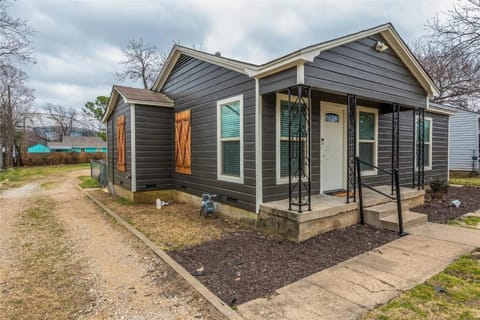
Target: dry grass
pixel 46 280
pixel 16 177
pixel 173 227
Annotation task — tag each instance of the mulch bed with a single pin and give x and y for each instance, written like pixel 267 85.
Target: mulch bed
pixel 246 265
pixel 441 211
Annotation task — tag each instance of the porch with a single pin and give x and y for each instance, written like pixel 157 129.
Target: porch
pixel 330 212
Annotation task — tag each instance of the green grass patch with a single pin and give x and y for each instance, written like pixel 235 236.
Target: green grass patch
pixel 87 182
pixel 471 221
pixel 469 182
pixel 124 201
pixel 451 294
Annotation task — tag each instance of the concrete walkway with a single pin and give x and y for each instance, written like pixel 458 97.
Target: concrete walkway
pixel 351 288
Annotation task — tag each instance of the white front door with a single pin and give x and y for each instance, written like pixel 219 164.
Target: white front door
pixel 332 146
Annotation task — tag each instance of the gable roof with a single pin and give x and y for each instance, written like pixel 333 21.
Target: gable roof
pixel 136 96
pixel 307 54
pixel 69 142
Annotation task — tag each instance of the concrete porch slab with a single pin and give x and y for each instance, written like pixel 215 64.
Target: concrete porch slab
pixel 328 213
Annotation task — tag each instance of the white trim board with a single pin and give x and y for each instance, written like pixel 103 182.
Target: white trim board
pixel 133 148
pixel 220 175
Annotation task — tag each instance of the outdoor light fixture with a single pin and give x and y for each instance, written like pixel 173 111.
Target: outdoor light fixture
pixel 381 46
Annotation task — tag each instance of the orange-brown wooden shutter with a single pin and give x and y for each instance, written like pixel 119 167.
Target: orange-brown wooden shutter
pixel 121 149
pixel 183 142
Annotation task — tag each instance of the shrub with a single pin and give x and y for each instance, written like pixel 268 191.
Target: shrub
pixel 439 187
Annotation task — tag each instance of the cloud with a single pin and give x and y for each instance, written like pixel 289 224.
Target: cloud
pixel 79 42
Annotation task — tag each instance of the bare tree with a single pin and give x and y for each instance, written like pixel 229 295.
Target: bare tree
pixel 15 103
pixel 63 118
pixel 456 72
pixel 142 62
pixel 15 38
pixel 451 54
pixel 461 30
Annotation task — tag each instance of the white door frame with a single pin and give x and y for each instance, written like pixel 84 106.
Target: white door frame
pixel 343 108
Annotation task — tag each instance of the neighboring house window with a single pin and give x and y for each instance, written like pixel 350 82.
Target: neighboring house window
pixel 367 137
pixel 121 140
pixel 427 131
pixel 183 144
pixel 282 120
pixel 230 139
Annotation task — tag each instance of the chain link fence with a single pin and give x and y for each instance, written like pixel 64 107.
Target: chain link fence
pixel 98 171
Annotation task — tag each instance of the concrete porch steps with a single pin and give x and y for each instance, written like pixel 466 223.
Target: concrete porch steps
pixel 385 216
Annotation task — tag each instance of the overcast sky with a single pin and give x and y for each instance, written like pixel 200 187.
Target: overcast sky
pixel 78 43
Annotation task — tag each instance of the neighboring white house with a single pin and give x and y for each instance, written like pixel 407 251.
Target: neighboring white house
pixel 464 140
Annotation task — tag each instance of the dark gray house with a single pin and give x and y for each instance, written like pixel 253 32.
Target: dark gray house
pixel 277 139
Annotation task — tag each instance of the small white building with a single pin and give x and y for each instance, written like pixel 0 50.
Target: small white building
pixel 464 140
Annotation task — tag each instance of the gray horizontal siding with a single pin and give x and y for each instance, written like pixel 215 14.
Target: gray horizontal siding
pixel 279 81
pixel 154 140
pixel 357 68
pixel 272 191
pixel 117 177
pixel 407 151
pixel 198 85
pixel 463 140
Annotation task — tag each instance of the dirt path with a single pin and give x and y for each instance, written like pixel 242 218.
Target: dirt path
pixel 128 281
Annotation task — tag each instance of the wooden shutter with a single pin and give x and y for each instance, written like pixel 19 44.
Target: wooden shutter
pixel 183 142
pixel 121 148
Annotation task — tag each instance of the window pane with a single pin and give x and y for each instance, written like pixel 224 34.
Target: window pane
pixel 230 120
pixel 231 158
pixel 294 159
pixel 427 154
pixel 284 119
pixel 426 130
pixel 366 153
pixel 426 147
pixel 284 158
pixel 367 126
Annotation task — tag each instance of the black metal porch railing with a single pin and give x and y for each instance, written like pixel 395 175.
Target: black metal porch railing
pixel 397 196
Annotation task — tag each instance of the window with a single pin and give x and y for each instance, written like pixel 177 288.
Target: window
pixel 427 131
pixel 367 124
pixel 282 139
pixel 230 139
pixel 121 149
pixel 183 142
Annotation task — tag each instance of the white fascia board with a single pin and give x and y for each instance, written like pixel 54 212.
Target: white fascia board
pixel 220 61
pixel 151 103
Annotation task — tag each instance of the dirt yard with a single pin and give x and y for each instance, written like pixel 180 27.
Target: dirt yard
pixel 441 210
pixel 62 258
pixel 236 263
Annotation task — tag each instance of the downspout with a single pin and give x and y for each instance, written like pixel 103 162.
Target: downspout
pixel 258 147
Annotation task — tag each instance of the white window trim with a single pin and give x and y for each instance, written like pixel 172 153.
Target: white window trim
pixel 430 153
pixel 220 175
pixel 375 141
pixel 280 97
